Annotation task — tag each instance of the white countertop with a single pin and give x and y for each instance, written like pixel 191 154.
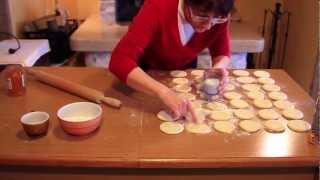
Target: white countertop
pixel 96 36
pixel 27 55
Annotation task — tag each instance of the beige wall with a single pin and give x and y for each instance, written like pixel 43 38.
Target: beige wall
pixel 253 10
pixel 302 43
pixel 27 10
pixel 23 11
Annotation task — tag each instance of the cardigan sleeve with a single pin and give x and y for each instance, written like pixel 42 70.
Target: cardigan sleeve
pixel 131 47
pixel 221 44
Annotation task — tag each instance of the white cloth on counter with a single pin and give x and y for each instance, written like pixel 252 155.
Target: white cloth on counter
pixel 102 59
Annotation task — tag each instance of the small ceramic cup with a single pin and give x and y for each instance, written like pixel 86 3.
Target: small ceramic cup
pixel 35 123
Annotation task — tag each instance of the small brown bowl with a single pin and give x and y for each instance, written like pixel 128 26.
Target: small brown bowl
pixel 35 123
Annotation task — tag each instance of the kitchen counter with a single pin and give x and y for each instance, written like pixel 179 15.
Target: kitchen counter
pixel 29 53
pixel 129 144
pixel 96 36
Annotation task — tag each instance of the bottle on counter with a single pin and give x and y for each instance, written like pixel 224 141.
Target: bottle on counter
pixel 315 134
pixel 14 77
pixel 107 11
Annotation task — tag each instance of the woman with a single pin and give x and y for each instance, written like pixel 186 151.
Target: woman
pixel 168 35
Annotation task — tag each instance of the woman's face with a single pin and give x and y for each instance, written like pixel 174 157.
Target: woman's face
pixel 201 21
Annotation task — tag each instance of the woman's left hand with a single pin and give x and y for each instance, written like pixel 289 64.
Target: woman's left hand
pixel 221 74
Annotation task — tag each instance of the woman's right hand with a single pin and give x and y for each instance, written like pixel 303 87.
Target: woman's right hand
pixel 178 105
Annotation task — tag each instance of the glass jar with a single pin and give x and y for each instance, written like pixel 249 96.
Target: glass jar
pixel 14 76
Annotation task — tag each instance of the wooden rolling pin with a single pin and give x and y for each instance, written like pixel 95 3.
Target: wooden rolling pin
pixel 74 88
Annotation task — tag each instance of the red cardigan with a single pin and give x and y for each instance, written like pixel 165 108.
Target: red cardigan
pixel 153 40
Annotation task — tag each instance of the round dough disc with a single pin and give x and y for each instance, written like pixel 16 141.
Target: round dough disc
pixel 180 81
pixel 224 126
pixel 216 106
pixel 197 104
pixel 198 128
pixel 198 73
pixel 232 95
pixel 221 115
pixel 240 73
pixel 187 96
pixel 274 126
pixel 277 96
pixel 171 128
pixel 244 114
pixel 293 114
pixel 229 87
pixel 250 126
pixel 261 74
pixel 184 88
pixel 282 105
pixel 246 80
pixel 266 81
pixel 251 87
pixel 271 87
pixel 200 113
pixel 268 114
pixel 165 116
pixel 255 95
pixel 262 103
pixel 239 103
pixel 299 125
pixel 178 74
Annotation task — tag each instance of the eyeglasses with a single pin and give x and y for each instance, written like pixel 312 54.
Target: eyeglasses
pixel 207 19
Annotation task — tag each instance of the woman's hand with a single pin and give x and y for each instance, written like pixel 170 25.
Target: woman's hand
pixel 178 105
pixel 221 74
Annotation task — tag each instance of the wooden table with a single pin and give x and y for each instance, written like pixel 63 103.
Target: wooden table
pixel 129 144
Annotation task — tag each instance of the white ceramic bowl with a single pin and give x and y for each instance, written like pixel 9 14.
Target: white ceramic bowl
pixel 80 118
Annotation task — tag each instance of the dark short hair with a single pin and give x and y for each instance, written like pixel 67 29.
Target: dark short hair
pixel 219 7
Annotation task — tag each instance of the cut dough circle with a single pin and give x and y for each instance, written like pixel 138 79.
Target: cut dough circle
pixel 198 128
pixel 244 114
pixel 250 126
pixel 178 74
pixel 240 73
pixel 268 114
pixel 261 74
pixel 266 81
pixel 200 113
pixel 262 103
pixel 271 87
pixel 277 96
pixel 251 87
pixel 232 95
pixel 187 96
pixel 282 105
pixel 224 126
pixel 299 125
pixel 255 95
pixel 197 104
pixel 198 73
pixel 184 88
pixel 229 87
pixel 246 80
pixel 165 116
pixel 239 103
pixel 274 126
pixel 293 114
pixel 216 106
pixel 171 128
pixel 180 81
pixel 221 115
